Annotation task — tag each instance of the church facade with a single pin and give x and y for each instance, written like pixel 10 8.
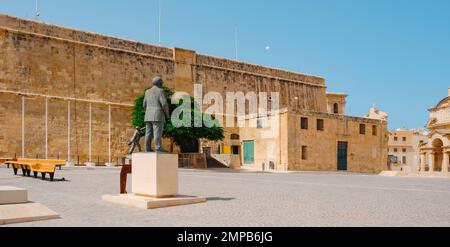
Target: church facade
pixel 434 154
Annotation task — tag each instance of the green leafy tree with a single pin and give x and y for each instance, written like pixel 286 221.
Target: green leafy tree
pixel 187 138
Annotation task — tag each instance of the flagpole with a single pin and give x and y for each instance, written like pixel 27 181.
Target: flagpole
pixel 37 10
pixel 236 43
pixel 159 22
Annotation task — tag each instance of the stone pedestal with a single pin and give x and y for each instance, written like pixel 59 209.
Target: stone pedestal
pixel 110 165
pixel 155 175
pixel 154 183
pixel 90 164
pixel 12 195
pixel 15 208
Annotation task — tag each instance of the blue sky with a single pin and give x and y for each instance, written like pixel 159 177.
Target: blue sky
pixel 395 54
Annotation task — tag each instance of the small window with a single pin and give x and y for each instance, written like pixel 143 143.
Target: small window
pixel 304 152
pixel 234 137
pixel 320 125
pixel 404 150
pixel 362 129
pixel 374 130
pixel 404 139
pixel 395 138
pixel 336 108
pixel 304 123
pixel 395 150
pixel 404 160
pixel 259 124
pixel 235 150
pixel 269 104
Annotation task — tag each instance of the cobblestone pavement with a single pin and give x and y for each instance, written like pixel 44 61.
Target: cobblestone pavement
pixel 247 199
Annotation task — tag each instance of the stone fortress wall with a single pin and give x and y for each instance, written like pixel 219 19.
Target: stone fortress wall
pixel 87 79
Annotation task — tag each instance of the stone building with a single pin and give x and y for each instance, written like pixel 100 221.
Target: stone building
pixel 435 152
pixel 404 145
pixel 297 140
pixel 69 94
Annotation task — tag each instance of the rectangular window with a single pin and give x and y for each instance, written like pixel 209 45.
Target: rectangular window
pixel 304 152
pixel 404 150
pixel 404 160
pixel 404 139
pixel 304 123
pixel 395 138
pixel 320 125
pixel 395 150
pixel 362 129
pixel 374 130
pixel 259 124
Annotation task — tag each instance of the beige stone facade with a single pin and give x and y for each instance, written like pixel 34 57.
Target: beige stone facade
pixel 403 147
pixel 69 94
pixel 291 145
pixel 434 154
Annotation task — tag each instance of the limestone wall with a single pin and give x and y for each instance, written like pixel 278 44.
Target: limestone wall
pixel 282 143
pixel 367 152
pixel 62 64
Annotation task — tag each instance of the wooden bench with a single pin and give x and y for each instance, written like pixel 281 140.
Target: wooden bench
pixel 4 160
pixel 36 166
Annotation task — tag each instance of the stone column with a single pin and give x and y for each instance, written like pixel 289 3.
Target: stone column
pixel 445 162
pixel 422 162
pixel 431 162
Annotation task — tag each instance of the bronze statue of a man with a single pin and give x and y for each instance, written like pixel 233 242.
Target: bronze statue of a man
pixel 156 112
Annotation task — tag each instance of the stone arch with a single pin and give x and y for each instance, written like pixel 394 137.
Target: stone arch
pixel 438 145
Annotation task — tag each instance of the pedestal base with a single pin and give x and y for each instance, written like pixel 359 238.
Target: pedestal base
pixel 13 195
pixel 142 202
pixel 15 208
pixel 90 164
pixel 26 212
pixel 109 165
pixel 69 164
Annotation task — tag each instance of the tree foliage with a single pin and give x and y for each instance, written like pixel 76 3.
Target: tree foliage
pixel 185 137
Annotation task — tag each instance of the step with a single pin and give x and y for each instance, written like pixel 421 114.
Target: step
pixel 12 195
pixel 25 212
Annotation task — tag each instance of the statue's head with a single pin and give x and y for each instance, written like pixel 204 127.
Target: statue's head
pixel 158 81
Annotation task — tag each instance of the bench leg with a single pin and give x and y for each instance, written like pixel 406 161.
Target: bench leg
pixel 43 175
pixel 35 174
pixel 29 173
pixel 24 172
pixel 52 176
pixel 15 171
pixel 59 167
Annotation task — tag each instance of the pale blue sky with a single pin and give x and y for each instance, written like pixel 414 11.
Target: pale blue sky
pixel 395 54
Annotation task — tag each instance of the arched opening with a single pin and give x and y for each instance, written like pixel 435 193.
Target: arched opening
pixel 438 154
pixel 336 108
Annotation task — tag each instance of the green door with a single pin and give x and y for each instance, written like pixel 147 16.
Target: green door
pixel 342 156
pixel 249 152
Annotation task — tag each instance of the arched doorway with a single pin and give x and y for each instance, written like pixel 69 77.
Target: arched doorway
pixel 336 108
pixel 438 154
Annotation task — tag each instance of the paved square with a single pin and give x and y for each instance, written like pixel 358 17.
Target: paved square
pixel 247 199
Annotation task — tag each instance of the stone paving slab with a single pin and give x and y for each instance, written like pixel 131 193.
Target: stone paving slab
pixel 247 199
